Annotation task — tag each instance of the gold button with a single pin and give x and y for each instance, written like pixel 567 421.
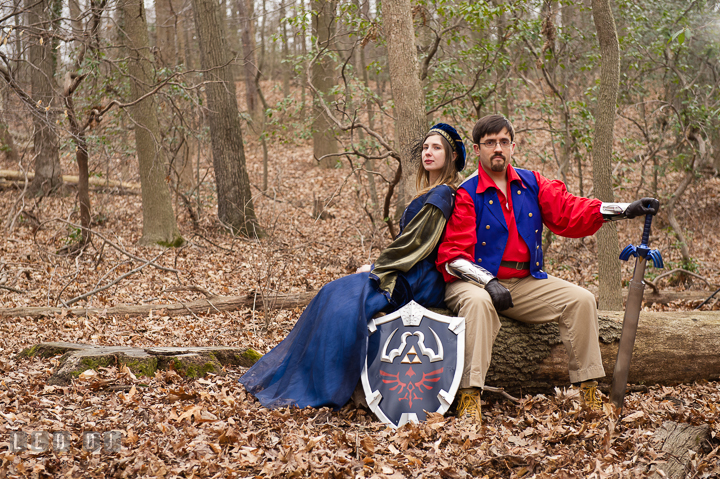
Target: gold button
pixel 490 201
pixel 483 243
pixel 518 192
pixel 536 231
pixel 537 264
pixel 537 247
pixel 530 215
pixel 487 227
pixel 479 260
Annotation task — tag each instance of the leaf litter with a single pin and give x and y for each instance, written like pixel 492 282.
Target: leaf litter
pixel 173 426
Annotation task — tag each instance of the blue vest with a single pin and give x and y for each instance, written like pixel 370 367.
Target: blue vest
pixel 492 231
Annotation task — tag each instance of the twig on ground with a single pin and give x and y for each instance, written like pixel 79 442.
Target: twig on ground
pixel 117 280
pixel 210 303
pixel 2 286
pixel 204 291
pixel 655 289
pixel 126 253
pixel 708 300
pixel 502 392
pixel 679 270
pixel 216 245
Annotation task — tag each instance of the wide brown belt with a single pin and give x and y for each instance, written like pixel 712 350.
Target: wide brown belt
pixel 515 265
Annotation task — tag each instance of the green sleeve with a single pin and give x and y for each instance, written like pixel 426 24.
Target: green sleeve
pixel 417 242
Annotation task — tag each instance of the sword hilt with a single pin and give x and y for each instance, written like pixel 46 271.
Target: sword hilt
pixel 646 230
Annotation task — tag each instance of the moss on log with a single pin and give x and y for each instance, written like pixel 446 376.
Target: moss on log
pixel 192 362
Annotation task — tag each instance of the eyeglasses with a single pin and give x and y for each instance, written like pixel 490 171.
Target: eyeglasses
pixel 490 144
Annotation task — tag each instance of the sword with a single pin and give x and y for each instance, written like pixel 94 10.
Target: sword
pixel 632 312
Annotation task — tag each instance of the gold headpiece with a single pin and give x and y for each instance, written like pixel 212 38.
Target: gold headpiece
pixel 444 135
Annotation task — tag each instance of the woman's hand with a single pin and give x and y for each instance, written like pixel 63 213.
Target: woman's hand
pixel 364 268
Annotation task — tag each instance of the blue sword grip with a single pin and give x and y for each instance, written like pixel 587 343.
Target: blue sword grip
pixel 646 230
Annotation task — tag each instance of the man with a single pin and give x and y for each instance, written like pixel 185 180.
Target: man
pixel 491 257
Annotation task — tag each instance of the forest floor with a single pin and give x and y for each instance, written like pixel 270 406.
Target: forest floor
pixel 178 427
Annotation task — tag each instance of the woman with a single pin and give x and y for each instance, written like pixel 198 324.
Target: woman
pixel 319 363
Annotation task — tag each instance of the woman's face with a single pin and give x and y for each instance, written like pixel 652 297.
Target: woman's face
pixel 433 155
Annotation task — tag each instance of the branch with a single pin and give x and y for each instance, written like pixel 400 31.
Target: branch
pixel 2 286
pixel 707 300
pixel 502 392
pixel 433 51
pixel 117 280
pixel 204 291
pixel 338 123
pixel 683 271
pixel 130 255
pixel 386 204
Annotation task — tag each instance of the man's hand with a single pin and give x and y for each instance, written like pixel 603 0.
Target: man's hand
pixel 642 207
pixel 499 294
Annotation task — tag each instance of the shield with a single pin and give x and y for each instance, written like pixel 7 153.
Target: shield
pixel 414 364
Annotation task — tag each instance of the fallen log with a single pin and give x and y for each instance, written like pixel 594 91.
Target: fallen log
pixel 93 180
pixel 232 303
pixel 198 306
pixel 666 297
pixel 671 348
pixel 191 362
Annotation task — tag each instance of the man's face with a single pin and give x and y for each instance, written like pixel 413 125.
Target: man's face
pixel 497 157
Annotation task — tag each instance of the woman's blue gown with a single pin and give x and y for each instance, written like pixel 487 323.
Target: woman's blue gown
pixel 320 362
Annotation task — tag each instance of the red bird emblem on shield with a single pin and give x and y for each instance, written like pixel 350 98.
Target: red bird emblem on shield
pixel 411 388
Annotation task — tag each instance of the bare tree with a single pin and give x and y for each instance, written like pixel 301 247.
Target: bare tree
pixel 235 204
pixel 247 35
pixel 42 67
pixel 411 121
pixel 159 224
pixel 608 245
pixel 325 145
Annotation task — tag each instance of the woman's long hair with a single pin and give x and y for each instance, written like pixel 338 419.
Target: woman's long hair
pixel 449 175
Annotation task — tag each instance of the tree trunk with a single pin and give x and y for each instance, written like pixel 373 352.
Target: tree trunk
pixel 323 24
pixel 286 67
pixel 698 164
pixel 185 35
pixel 159 225
pixel 500 71
pixel 362 68
pixel 165 27
pixel 76 25
pixel 670 348
pixel 235 45
pixel 247 33
pixel 42 59
pixel 81 155
pixel 7 145
pixel 411 121
pixel 170 49
pixel 608 245
pixel 303 51
pixel 235 204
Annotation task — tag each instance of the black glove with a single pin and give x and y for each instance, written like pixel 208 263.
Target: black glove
pixel 642 207
pixel 499 294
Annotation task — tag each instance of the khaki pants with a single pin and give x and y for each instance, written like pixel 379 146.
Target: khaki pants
pixel 536 301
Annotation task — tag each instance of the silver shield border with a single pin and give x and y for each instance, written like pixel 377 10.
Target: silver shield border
pixel 411 315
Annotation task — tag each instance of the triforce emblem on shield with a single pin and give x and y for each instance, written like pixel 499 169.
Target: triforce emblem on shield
pixel 413 365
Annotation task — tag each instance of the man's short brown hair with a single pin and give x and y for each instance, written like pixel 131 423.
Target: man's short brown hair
pixel 491 125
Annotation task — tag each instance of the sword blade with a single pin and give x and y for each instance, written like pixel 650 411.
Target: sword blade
pixel 627 337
